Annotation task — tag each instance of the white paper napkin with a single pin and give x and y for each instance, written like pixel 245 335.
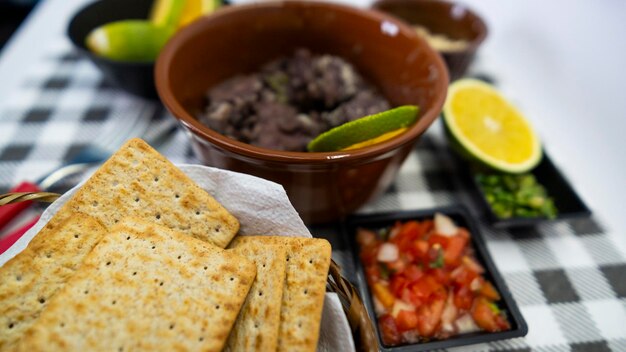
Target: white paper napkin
pixel 262 207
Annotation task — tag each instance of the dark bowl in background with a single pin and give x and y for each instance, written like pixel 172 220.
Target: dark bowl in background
pixel 454 20
pixel 133 77
pixel 461 217
pixel 240 39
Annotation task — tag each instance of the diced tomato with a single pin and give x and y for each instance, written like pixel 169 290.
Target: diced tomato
pixel 463 276
pixel 397 266
pixel 408 296
pixel 383 294
pixel 463 298
pixel 426 227
pixel 413 272
pixel 441 240
pixel 464 233
pixel 486 317
pixel 454 250
pixel 372 273
pixel 420 248
pixel 369 254
pixel 408 257
pixel 426 286
pixel 409 231
pixel 406 320
pixel 489 291
pixel 429 317
pixel 441 275
pixel 389 330
pixel 432 283
pixel 365 237
pixel 398 284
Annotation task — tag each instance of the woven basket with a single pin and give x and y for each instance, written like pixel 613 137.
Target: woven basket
pixel 360 323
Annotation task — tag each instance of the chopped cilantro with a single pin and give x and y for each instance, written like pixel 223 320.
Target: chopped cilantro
pixel 494 307
pixel 384 271
pixel 438 263
pixel 384 233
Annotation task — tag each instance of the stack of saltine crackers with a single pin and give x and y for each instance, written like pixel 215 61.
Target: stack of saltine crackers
pixel 135 260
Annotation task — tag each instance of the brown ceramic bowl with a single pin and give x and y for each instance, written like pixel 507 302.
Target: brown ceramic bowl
pixel 440 17
pixel 240 39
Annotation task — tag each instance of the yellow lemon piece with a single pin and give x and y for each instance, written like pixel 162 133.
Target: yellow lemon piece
pixel 194 9
pixel 376 140
pixel 129 40
pixel 364 129
pixel 167 12
pixel 181 12
pixel 488 128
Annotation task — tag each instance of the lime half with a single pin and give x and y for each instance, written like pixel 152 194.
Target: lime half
pixel 485 127
pixel 363 129
pixel 129 40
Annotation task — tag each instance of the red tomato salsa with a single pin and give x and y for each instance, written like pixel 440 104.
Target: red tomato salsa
pixel 426 282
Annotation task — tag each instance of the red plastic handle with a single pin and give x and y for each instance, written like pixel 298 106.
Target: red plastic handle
pixel 7 241
pixel 10 211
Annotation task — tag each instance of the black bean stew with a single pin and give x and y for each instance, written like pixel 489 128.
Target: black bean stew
pixel 291 101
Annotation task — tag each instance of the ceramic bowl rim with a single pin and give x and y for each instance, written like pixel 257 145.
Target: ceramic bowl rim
pixel 196 127
pixel 472 45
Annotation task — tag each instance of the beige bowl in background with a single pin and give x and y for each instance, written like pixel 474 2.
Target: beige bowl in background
pixel 453 20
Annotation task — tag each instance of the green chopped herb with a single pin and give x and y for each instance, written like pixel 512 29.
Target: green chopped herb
pixel 494 307
pixel 438 263
pixel 384 233
pixel 278 82
pixel 516 195
pixel 384 271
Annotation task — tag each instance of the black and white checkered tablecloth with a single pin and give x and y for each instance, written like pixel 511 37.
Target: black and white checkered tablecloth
pixel 568 278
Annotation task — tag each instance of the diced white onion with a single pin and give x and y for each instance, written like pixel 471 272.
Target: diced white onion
pixel 466 324
pixel 365 237
pixel 447 327
pixel 399 305
pixel 445 226
pixel 411 336
pixel 456 272
pixel 394 231
pixel 388 252
pixel 473 265
pixel 476 284
pixel 378 307
pixel 449 312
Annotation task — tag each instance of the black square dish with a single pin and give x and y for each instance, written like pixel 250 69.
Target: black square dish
pixel 462 218
pixel 569 205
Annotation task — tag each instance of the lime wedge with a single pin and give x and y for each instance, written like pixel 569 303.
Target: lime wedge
pixel 363 129
pixel 129 40
pixel 485 127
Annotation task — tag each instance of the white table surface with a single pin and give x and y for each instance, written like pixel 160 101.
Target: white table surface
pixel 562 62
